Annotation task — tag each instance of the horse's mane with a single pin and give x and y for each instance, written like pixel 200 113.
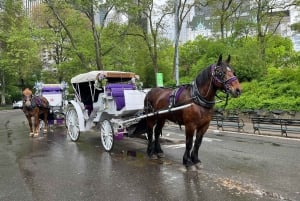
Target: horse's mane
pixel 203 76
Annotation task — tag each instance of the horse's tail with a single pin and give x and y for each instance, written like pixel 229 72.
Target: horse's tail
pixel 50 116
pixel 138 128
pixel 148 108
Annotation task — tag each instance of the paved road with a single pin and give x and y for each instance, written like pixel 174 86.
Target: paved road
pixel 234 167
pixel 270 164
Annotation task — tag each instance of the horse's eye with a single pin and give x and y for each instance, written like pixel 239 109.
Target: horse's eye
pixel 220 74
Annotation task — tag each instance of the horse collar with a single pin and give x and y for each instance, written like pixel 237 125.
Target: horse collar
pixel 198 99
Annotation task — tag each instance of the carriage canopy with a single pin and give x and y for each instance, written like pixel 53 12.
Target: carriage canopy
pixel 88 86
pixel 111 76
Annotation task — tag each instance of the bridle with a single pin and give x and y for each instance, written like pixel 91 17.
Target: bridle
pixel 217 78
pixel 28 98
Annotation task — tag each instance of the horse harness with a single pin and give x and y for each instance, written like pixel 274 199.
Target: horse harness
pixel 217 78
pixel 37 101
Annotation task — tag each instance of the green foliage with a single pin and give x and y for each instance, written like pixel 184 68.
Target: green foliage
pixel 269 83
pixel 279 90
pixel 278 51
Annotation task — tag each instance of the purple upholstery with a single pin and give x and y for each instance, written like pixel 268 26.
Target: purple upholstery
pixel 51 90
pixel 117 92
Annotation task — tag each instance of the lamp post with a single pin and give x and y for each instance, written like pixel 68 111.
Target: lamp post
pixel 176 42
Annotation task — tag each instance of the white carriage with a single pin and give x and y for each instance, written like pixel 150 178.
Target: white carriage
pixel 103 98
pixel 56 94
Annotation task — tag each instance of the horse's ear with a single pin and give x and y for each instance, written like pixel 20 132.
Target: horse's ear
pixel 228 59
pixel 219 60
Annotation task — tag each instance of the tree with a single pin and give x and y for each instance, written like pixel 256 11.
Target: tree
pixel 58 7
pixel 154 15
pixel 224 11
pixel 269 15
pixel 182 9
pixel 89 8
pixel 54 38
pixel 19 62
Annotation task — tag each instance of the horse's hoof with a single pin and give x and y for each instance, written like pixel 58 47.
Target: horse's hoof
pixel 153 157
pixel 36 135
pixel 160 155
pixel 31 134
pixel 196 161
pixel 45 131
pixel 187 163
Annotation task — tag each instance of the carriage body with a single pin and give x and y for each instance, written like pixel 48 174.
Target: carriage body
pixel 102 98
pixel 56 94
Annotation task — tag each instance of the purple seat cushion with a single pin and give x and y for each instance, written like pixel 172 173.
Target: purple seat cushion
pixel 117 92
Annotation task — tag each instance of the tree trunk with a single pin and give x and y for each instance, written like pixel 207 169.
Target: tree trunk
pixel 96 40
pixel 2 86
pixel 176 51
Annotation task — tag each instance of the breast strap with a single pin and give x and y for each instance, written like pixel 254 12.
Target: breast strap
pixel 198 99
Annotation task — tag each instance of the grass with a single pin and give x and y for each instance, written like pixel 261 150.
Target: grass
pixel 5 107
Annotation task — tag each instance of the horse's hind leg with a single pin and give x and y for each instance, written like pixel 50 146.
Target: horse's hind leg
pixel 45 129
pixel 197 144
pixel 158 132
pixel 150 148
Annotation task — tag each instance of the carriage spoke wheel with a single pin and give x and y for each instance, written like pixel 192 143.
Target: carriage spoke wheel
pixel 107 135
pixel 72 124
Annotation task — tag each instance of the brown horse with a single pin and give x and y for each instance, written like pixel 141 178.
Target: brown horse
pixel 36 107
pixel 196 118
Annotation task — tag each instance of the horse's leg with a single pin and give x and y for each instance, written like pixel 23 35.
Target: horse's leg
pixel 31 133
pixel 45 114
pixel 158 130
pixel 150 148
pixel 189 134
pixel 36 124
pixel 197 144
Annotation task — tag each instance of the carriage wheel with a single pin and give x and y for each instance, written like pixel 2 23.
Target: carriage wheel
pixel 72 124
pixel 107 135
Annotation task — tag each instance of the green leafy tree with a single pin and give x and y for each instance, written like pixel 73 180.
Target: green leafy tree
pixel 19 59
pixel 153 15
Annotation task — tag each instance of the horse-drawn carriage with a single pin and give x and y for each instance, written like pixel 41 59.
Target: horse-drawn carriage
pixel 44 108
pixel 110 100
pixel 56 94
pixel 113 101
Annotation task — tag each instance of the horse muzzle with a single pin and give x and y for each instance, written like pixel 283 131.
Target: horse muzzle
pixel 236 92
pixel 27 104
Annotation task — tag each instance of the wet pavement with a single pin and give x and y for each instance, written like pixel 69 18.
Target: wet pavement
pixel 52 167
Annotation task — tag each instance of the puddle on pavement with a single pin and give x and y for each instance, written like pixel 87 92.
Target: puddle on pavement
pixel 140 157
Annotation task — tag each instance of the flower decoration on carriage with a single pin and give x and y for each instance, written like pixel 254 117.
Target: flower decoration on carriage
pixel 38 88
pixel 100 81
pixel 136 81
